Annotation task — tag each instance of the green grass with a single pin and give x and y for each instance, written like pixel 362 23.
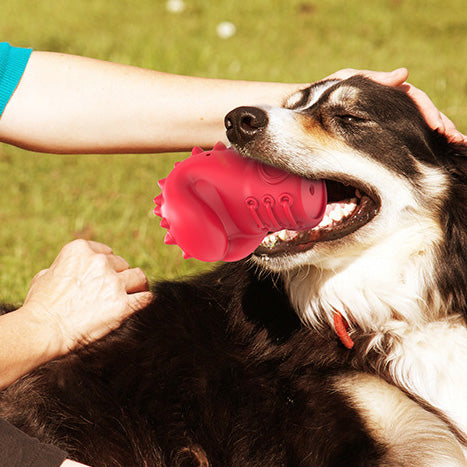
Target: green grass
pixel 48 200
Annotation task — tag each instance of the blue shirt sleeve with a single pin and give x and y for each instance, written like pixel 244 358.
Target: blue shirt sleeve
pixel 13 61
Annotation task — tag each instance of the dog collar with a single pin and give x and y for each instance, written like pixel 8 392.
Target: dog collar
pixel 341 326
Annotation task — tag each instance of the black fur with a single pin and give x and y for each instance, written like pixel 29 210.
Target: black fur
pixel 203 376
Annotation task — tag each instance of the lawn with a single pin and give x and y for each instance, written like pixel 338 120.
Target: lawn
pixel 48 200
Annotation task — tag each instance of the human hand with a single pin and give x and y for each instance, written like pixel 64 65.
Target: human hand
pixel 434 118
pixel 86 293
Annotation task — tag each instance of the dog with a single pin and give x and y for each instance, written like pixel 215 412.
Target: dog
pixel 344 345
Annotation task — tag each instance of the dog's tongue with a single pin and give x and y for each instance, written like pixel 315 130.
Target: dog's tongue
pixel 217 205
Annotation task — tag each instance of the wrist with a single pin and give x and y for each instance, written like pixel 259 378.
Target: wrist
pixel 47 335
pixel 27 342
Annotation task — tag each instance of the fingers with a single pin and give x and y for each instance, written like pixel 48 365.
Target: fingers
pixel 98 247
pixel 451 132
pixel 137 288
pixel 435 119
pixel 388 78
pixel 392 78
pixel 430 112
pixel 87 248
pixel 118 263
pixel 99 258
pixel 138 301
pixel 134 280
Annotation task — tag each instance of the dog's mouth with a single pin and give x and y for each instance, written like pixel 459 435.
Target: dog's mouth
pixel 348 209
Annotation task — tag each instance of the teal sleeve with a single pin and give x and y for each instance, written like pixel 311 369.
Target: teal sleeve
pixel 13 61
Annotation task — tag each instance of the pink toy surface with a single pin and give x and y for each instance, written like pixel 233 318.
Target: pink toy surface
pixel 217 205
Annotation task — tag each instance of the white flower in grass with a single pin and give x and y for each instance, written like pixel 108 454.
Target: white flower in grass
pixel 226 29
pixel 175 6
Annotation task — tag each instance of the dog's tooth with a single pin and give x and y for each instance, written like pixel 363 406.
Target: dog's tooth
pixel 283 235
pixel 348 208
pixel 269 241
pixel 329 208
pixel 336 214
pixel 293 234
pixel 325 221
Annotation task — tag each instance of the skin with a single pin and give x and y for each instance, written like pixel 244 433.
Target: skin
pixel 71 104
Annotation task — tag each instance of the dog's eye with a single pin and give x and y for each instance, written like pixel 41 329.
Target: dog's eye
pixel 348 119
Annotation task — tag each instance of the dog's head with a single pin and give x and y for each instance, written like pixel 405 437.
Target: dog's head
pixel 390 180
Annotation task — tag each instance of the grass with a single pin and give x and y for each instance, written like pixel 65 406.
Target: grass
pixel 47 200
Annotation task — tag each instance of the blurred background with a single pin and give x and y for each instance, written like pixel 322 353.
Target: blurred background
pixel 48 200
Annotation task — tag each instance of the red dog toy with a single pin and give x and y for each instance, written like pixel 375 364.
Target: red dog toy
pixel 217 205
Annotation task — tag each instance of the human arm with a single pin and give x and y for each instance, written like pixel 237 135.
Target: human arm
pixel 87 292
pixel 71 104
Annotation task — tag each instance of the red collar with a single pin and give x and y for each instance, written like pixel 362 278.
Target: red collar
pixel 341 326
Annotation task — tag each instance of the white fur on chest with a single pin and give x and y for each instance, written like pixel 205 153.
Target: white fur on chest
pixel 388 281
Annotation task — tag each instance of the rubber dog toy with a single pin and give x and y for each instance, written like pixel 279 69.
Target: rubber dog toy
pixel 217 205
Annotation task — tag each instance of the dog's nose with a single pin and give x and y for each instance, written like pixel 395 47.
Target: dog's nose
pixel 244 123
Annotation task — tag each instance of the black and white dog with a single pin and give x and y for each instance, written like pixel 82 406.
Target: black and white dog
pixel 345 345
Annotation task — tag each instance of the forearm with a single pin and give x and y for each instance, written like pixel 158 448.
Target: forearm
pixel 26 344
pixel 70 104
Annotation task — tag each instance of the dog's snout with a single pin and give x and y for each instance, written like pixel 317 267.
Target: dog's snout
pixel 244 123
